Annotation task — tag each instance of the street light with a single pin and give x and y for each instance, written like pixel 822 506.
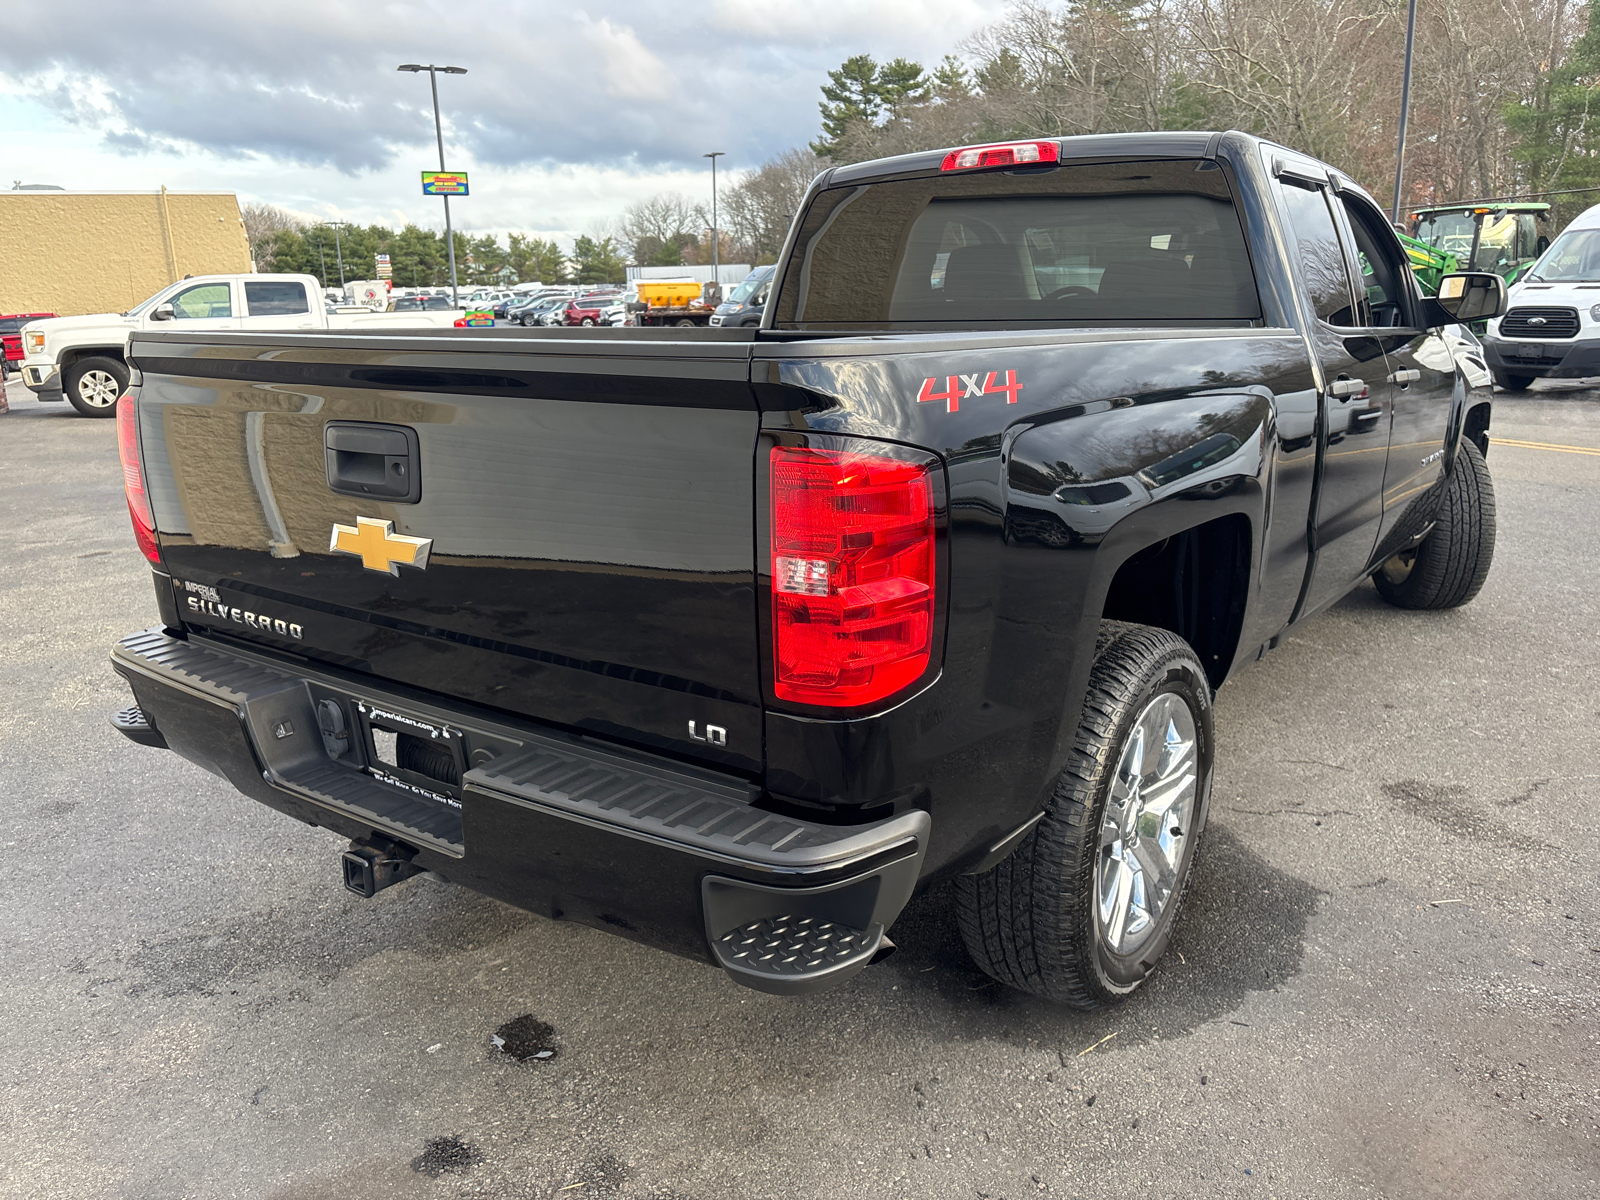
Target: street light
pixel 338 253
pixel 716 265
pixel 438 129
pixel 1405 111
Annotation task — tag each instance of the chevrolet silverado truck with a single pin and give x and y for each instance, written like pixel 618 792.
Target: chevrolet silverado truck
pixel 84 359
pixel 730 642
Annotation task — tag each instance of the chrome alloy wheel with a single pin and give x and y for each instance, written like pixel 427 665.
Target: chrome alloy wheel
pixel 98 389
pixel 1145 828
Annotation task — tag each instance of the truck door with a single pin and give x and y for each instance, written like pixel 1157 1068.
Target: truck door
pixel 201 306
pixel 277 304
pixel 1354 438
pixel 1422 371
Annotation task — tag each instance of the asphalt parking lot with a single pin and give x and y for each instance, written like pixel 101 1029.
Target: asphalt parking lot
pixel 1384 984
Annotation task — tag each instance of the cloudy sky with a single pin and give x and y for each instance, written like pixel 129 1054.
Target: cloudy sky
pixel 569 111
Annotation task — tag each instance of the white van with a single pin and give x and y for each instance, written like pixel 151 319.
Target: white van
pixel 1551 328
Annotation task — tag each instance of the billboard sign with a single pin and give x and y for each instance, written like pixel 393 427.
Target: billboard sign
pixel 382 262
pixel 444 183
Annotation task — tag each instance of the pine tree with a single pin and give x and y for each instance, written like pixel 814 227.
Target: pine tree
pixel 851 96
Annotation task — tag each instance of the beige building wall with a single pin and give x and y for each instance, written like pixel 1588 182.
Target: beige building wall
pixel 73 253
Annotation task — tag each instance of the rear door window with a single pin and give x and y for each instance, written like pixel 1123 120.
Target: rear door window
pixel 275 298
pixel 1122 243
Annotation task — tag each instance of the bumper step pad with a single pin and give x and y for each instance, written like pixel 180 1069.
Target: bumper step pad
pixel 795 945
pixel 132 724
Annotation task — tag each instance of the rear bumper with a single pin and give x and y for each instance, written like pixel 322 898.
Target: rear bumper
pixel 674 857
pixel 1544 360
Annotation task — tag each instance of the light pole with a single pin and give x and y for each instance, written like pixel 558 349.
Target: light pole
pixel 438 129
pixel 1405 111
pixel 716 264
pixel 337 252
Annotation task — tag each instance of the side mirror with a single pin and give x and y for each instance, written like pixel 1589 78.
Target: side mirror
pixel 1472 296
pixel 1541 245
pixel 162 312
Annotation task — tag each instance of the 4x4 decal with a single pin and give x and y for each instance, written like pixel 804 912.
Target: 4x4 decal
pixel 964 387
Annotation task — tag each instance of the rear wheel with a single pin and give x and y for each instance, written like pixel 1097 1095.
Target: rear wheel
pixel 1512 383
pixel 94 385
pixel 587 321
pixel 1448 567
pixel 1082 909
pixel 685 323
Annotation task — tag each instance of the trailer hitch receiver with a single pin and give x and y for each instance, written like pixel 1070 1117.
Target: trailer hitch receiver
pixel 374 863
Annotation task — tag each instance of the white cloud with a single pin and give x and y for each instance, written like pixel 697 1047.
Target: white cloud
pixel 632 72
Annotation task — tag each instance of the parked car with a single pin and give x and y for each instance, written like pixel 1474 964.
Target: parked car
pixel 582 312
pixel 747 302
pixel 423 304
pixel 82 359
pixel 11 339
pixel 730 644
pixel 535 313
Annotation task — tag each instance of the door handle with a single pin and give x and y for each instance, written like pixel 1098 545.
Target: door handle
pixel 1409 375
pixel 377 462
pixel 1347 389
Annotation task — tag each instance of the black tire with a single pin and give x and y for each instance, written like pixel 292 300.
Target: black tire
pixel 86 384
pixel 1032 921
pixel 1512 383
pixel 1448 568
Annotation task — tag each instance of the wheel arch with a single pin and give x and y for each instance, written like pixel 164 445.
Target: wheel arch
pixel 1475 427
pixel 75 354
pixel 1194 582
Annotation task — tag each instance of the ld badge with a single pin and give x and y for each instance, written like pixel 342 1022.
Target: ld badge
pixel 379 547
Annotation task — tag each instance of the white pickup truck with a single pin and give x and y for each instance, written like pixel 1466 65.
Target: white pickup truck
pixel 82 359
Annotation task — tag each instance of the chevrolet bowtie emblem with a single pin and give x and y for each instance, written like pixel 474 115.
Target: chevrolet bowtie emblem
pixel 379 547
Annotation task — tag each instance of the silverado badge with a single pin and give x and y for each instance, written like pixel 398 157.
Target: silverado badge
pixel 379 547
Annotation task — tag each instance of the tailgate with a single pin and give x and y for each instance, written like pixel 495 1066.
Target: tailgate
pixel 579 548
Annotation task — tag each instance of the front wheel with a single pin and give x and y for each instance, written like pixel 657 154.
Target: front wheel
pixel 1082 909
pixel 94 385
pixel 1512 383
pixel 1449 566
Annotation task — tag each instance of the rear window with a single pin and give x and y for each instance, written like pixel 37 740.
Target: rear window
pixel 275 299
pixel 1124 243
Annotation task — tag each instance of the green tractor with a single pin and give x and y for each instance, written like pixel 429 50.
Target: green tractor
pixel 1496 236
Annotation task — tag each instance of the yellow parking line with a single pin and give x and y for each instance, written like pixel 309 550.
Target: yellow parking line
pixel 1500 441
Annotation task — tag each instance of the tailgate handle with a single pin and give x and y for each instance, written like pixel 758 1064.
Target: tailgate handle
pixel 378 462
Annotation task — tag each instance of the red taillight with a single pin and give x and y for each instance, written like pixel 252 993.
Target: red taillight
pixel 144 525
pixel 852 576
pixel 1001 154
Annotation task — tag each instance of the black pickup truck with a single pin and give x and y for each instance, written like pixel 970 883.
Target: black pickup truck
pixel 729 641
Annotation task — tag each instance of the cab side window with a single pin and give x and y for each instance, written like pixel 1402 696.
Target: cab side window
pixel 275 299
pixel 1322 261
pixel 202 302
pixel 1383 264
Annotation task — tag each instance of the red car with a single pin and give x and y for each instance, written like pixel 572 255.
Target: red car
pixel 11 336
pixel 583 312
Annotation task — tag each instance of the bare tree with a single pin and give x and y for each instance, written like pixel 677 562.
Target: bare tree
pixel 262 224
pixel 654 231
pixel 756 211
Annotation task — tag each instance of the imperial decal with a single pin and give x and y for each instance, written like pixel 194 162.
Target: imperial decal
pixel 963 387
pixel 379 547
